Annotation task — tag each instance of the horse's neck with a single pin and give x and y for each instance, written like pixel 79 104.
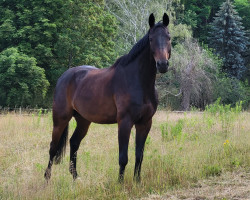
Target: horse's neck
pixel 147 68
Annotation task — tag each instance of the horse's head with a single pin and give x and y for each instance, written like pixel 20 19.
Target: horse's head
pixel 160 43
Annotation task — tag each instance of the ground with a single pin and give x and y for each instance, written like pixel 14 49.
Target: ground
pixel 231 185
pixel 195 155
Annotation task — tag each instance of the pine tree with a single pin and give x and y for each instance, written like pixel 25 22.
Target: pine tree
pixel 228 39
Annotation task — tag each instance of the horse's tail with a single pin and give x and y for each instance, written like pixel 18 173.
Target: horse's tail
pixel 61 146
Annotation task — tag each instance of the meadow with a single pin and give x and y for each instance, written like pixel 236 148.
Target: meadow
pixel 181 149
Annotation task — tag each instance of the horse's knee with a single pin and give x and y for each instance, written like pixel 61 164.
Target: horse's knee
pixel 123 160
pixel 53 149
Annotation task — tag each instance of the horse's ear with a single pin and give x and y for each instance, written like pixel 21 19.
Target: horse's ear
pixel 165 19
pixel 151 20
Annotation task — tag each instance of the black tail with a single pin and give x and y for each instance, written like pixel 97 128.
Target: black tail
pixel 61 146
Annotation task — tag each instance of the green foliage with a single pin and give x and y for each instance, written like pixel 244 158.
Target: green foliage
pixel 133 20
pixel 172 132
pixel 179 33
pixel 212 170
pixel 87 36
pixel 220 108
pixel 61 34
pixel 148 140
pixel 22 82
pixel 32 27
pixel 225 113
pixel 190 81
pixel 243 7
pixel 231 90
pixel 164 131
pixel 58 34
pixel 198 14
pixel 228 39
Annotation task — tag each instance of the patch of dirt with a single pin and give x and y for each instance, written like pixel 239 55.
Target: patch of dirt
pixel 228 186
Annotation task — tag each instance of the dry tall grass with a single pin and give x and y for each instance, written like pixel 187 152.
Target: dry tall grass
pixel 194 146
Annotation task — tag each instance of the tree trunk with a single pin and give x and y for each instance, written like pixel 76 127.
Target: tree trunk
pixel 185 103
pixel 186 86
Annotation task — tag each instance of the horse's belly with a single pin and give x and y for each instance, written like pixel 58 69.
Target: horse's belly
pixel 100 118
pixel 93 98
pixel 102 111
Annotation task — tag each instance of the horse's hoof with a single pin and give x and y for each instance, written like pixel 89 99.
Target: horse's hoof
pixel 47 174
pixel 73 171
pixel 137 179
pixel 75 176
pixel 121 179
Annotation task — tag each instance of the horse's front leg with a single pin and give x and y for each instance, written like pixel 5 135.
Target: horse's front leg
pixel 124 129
pixel 142 131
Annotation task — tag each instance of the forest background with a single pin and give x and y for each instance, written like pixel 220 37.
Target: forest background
pixel 39 40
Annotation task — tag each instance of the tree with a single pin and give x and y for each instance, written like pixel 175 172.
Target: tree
pixel 228 39
pixel 243 7
pixel 133 16
pixel 193 71
pixel 59 33
pixel 231 91
pixel 198 14
pixel 22 82
pixel 87 36
pixel 32 27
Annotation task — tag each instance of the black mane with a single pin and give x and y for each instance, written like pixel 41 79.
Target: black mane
pixel 136 49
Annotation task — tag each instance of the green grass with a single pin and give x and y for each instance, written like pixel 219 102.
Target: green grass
pixel 181 149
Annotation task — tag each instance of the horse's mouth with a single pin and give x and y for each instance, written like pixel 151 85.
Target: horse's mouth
pixel 162 66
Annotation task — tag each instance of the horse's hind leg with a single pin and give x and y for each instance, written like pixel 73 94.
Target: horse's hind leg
pixel 58 143
pixel 79 133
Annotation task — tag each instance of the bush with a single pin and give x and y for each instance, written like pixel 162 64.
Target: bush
pixel 22 82
pixel 231 90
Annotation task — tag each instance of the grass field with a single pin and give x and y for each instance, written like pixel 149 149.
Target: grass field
pixel 181 150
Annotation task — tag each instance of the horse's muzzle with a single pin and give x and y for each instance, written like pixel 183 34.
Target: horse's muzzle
pixel 162 66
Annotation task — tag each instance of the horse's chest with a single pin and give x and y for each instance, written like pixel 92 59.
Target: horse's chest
pixel 139 105
pixel 148 109
pixel 144 111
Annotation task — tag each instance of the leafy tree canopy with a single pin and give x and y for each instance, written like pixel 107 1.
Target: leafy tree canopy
pixel 198 14
pixel 59 33
pixel 243 8
pixel 22 82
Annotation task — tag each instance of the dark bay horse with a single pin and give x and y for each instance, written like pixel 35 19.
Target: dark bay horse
pixel 123 93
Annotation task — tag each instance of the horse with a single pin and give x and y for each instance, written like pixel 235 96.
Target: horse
pixel 123 93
